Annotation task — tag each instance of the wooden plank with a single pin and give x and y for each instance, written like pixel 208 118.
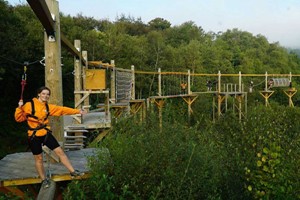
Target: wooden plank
pixel 14 190
pixel 50 153
pixel 77 73
pixel 92 92
pixel 28 181
pixel 100 136
pixel 15 182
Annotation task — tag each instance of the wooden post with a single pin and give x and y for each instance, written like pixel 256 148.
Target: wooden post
pixel 266 81
pixel 77 75
pixel 189 82
pixel 240 97
pixel 85 57
pixel 113 82
pixel 220 98
pixel 159 82
pixel 53 74
pixel 240 82
pixel 132 83
pixel 47 193
pixel 219 82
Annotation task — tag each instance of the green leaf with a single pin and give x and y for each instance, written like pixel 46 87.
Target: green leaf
pixel 265 150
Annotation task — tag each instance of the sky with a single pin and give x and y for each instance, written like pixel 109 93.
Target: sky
pixel 277 20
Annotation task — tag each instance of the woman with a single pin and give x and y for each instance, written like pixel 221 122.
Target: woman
pixel 36 114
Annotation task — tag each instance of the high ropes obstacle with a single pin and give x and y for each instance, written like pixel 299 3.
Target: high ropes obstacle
pixel 119 93
pixel 188 86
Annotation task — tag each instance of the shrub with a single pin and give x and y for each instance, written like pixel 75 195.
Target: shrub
pixel 257 158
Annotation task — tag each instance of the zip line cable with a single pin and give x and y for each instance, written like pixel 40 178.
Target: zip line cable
pixel 13 61
pixel 24 75
pixel 24 63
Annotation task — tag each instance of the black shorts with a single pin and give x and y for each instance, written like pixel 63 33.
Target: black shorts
pixel 36 143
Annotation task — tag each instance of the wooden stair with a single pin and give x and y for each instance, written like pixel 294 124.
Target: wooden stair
pixel 74 137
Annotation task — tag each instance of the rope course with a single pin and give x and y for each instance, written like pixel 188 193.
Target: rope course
pixel 171 84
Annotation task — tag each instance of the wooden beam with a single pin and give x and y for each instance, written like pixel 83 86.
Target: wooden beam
pixel 77 74
pixel 28 181
pixel 70 48
pixel 14 190
pixel 42 11
pixel 84 68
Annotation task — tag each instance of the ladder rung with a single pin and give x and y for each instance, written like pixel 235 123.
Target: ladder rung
pixel 73 145
pixel 76 131
pixel 76 127
pixel 75 137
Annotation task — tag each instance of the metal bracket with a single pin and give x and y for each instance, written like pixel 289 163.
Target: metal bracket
pixel 51 38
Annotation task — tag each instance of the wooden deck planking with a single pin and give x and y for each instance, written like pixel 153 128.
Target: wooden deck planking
pixel 19 168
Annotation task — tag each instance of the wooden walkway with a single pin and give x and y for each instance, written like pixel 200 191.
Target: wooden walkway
pixel 19 169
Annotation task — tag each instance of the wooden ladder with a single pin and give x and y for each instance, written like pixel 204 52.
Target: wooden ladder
pixel 74 137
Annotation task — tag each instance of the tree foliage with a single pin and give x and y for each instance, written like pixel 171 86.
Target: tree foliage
pixel 205 153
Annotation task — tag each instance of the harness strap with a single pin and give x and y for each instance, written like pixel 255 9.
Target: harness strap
pixel 33 111
pixel 42 126
pixel 34 132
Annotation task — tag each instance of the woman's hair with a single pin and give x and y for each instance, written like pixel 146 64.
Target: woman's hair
pixel 43 88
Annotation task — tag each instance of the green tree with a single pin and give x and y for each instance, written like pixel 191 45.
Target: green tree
pixel 159 24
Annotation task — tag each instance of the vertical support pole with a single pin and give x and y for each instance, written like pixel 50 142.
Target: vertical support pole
pixel 160 107
pixel 219 94
pixel 77 74
pixel 106 103
pixel 266 81
pixel 240 97
pixel 189 82
pixel 132 82
pixel 159 82
pixel 219 82
pixel 214 107
pixel 246 103
pixel 113 82
pixel 85 67
pixel 53 74
pixel 144 110
pixel 240 82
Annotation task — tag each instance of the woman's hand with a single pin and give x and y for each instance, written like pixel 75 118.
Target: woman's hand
pixel 83 112
pixel 21 103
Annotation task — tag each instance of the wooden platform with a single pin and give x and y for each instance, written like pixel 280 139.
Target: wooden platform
pixel 132 106
pixel 92 120
pixel 19 169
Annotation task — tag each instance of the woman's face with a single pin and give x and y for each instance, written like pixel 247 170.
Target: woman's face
pixel 44 96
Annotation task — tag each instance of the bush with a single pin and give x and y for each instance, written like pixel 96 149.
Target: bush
pixel 231 159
